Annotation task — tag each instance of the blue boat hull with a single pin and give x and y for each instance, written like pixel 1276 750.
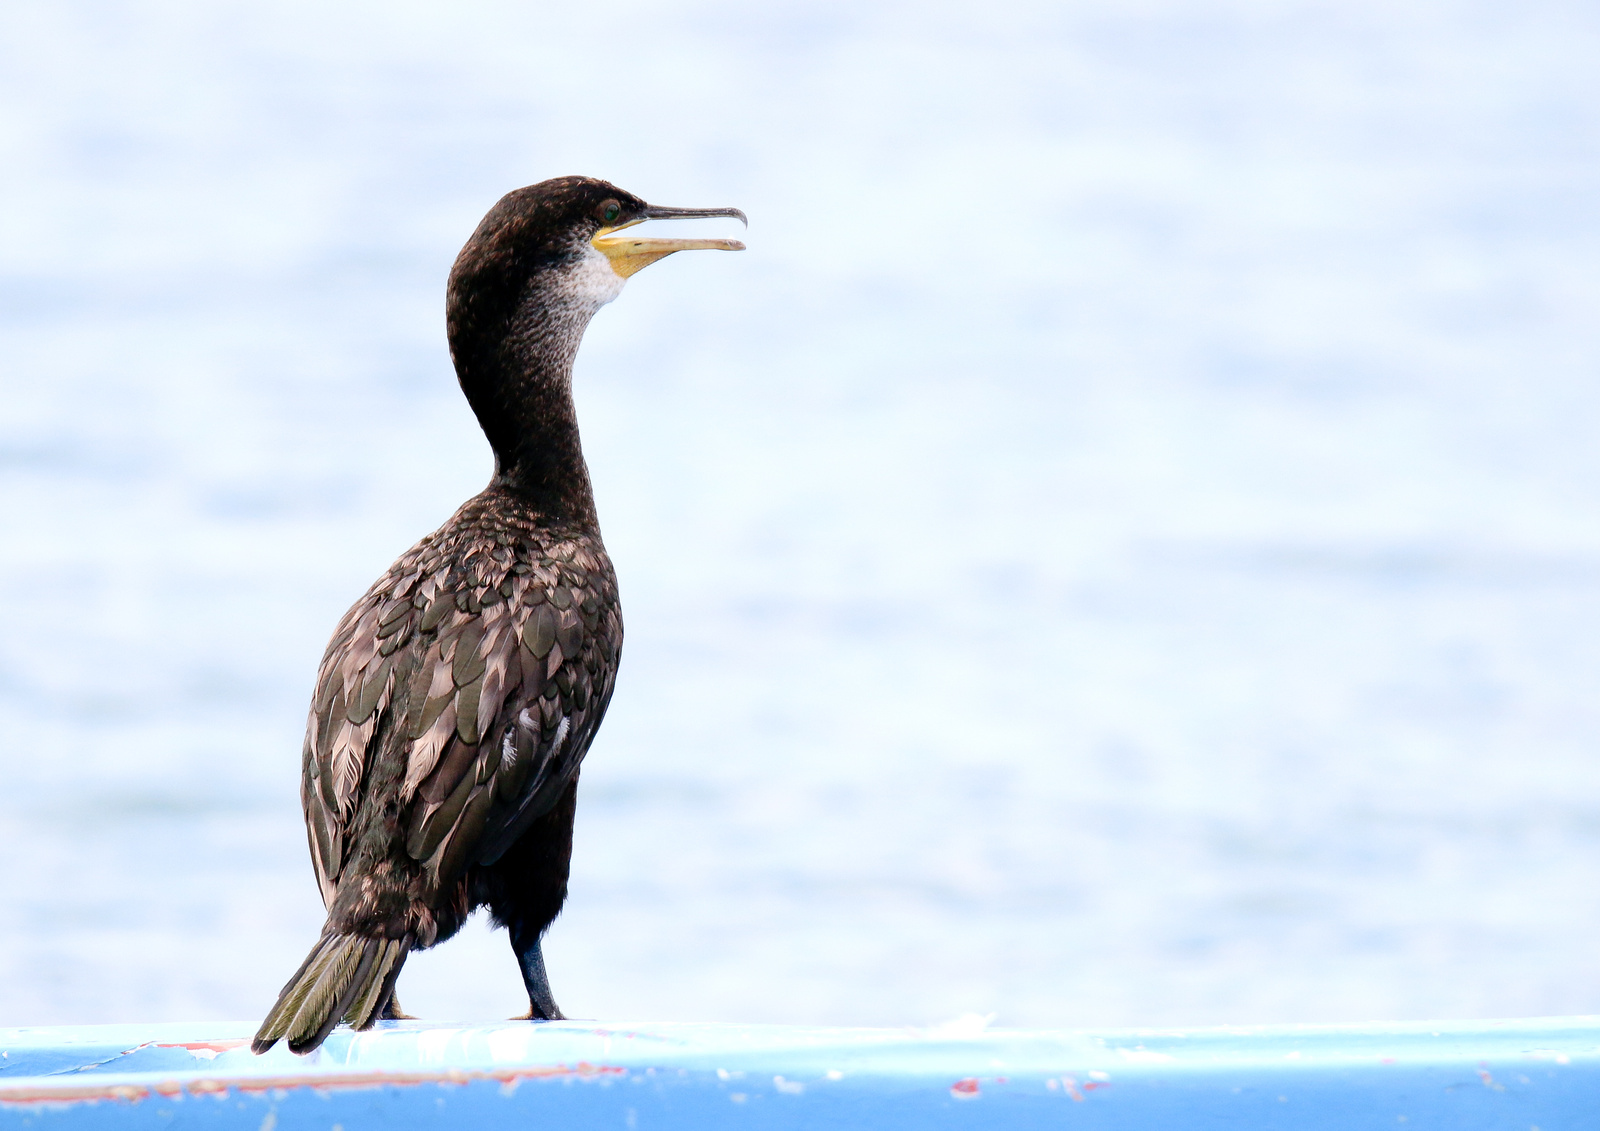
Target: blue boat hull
pixel 1512 1075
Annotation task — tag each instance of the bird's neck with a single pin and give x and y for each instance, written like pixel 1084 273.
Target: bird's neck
pixel 519 383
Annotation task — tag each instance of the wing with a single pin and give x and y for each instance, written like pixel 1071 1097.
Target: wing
pixel 463 695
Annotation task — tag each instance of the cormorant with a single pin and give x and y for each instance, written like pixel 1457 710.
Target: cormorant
pixel 457 699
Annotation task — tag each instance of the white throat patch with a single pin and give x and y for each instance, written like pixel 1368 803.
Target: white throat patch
pixel 591 282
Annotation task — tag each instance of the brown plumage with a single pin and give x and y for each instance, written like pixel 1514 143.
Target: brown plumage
pixel 458 697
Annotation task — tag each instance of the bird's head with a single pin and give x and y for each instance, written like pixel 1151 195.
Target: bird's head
pixel 562 245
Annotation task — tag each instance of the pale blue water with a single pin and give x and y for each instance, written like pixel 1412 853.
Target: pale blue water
pixel 1122 546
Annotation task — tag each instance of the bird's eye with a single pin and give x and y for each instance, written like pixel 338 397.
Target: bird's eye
pixel 609 211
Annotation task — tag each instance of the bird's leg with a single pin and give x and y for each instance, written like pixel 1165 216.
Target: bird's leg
pixel 525 891
pixel 530 956
pixel 391 1011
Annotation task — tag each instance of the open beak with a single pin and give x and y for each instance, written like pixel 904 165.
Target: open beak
pixel 629 254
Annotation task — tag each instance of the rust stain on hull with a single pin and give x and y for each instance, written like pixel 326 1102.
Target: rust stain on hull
pixel 221 1086
pixel 203 1046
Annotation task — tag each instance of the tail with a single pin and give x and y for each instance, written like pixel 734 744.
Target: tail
pixel 344 978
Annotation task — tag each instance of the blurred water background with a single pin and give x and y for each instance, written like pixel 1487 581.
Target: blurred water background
pixel 1122 546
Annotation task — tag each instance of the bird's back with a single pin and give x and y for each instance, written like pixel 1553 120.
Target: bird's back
pixel 453 706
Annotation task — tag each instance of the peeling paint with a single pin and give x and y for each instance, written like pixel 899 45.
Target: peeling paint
pixel 965 1089
pixel 321 1082
pixel 203 1050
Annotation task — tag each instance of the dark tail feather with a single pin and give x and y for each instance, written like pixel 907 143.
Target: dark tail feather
pixel 344 978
